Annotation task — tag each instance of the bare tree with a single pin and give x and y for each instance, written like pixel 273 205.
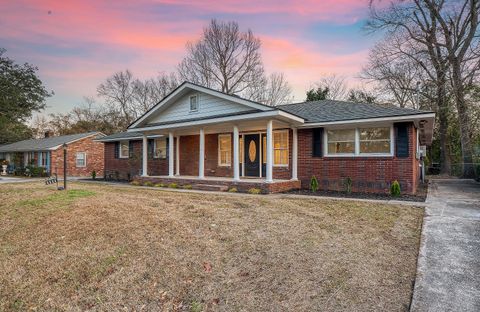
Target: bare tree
pixel 395 75
pixel 131 97
pixel 118 93
pixel 224 58
pixel 414 33
pixel 273 90
pixel 336 85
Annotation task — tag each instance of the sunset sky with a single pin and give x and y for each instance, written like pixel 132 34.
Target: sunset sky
pixel 77 44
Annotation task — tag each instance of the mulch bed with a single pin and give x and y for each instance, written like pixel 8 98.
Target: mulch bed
pixel 420 196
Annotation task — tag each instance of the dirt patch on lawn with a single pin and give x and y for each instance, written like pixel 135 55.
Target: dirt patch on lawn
pixel 113 248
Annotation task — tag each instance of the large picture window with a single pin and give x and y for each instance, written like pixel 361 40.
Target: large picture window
pixel 375 140
pixel 341 141
pixel 123 149
pixel 359 141
pixel 160 148
pixel 224 149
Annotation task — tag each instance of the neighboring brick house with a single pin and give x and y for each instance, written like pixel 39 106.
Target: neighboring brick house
pixel 84 154
pixel 196 136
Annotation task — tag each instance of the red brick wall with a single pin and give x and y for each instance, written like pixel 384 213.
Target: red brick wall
pixel 94 154
pixel 368 174
pixel 127 168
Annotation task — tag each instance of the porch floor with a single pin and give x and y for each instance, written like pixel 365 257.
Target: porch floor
pixel 225 183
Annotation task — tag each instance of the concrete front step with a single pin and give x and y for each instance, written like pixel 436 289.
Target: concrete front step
pixel 210 187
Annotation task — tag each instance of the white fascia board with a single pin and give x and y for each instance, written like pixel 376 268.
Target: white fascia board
pixel 200 89
pixel 366 120
pixel 266 114
pixel 130 138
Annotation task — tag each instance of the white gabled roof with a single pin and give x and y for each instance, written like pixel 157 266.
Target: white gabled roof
pixel 188 86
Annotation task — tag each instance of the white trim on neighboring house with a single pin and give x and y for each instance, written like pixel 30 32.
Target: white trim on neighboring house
pixel 365 120
pixel 191 86
pixel 195 123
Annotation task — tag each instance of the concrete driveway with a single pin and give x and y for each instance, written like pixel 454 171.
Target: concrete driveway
pixel 448 273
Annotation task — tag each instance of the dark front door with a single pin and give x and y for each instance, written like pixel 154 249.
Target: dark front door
pixel 251 148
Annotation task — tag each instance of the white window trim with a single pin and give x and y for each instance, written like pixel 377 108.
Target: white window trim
pixel 120 149
pixel 219 158
pixel 155 148
pixel 189 103
pixel 84 159
pixel 357 144
pixel 288 148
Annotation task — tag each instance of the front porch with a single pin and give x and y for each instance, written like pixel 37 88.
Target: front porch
pixel 224 184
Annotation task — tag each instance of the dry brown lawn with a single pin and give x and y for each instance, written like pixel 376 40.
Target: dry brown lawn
pixel 103 248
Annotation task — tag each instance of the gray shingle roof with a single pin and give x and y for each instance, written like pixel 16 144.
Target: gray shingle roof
pixel 332 110
pixel 123 136
pixel 44 144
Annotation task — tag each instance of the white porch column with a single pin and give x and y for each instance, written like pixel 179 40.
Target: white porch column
pixel 236 155
pixel 145 156
pixel 269 177
pixel 294 154
pixel 170 154
pixel 177 157
pixel 201 159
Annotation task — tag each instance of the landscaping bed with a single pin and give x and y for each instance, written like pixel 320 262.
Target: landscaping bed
pixel 102 248
pixel 420 196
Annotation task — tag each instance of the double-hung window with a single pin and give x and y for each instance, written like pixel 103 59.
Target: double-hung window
pixel 224 149
pixel 123 149
pixel 280 148
pixel 81 159
pixel 193 103
pixel 160 148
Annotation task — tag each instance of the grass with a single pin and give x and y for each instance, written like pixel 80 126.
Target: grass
pixel 98 247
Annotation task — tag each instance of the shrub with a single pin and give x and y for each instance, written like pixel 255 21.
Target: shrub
pixel 159 185
pixel 148 183
pixel 173 185
pixel 395 189
pixel 135 183
pixel 187 187
pixel 254 190
pixel 313 184
pixel 94 174
pixel 233 190
pixel 347 183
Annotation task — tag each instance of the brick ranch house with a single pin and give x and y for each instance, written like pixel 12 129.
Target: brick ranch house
pixel 205 138
pixel 84 154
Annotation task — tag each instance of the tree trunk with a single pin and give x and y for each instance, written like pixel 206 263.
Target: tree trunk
pixel 464 121
pixel 445 165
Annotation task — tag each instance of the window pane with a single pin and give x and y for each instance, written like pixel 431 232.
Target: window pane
pixel 374 134
pixel 241 149
pixel 225 149
pixel 264 150
pixel 160 148
pixel 345 135
pixel 382 147
pixel 341 147
pixel 193 103
pixel 124 149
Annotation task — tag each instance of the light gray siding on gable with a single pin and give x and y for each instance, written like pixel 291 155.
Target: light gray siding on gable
pixel 208 106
